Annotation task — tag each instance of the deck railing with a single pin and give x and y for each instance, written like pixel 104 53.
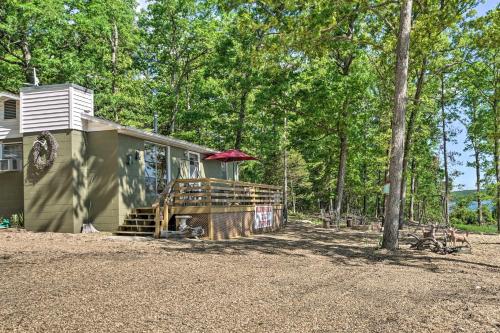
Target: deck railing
pixel 220 192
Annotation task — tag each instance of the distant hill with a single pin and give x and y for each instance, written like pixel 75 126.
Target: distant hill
pixel 457 195
pixel 471 195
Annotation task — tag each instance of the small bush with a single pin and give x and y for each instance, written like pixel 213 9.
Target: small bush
pixel 17 220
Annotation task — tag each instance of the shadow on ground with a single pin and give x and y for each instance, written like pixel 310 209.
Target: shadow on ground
pixel 346 247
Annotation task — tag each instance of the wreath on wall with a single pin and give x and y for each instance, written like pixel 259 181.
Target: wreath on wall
pixel 44 151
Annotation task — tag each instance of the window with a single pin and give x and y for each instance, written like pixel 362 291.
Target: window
pixel 11 155
pixel 194 165
pixel 223 168
pixel 9 109
pixel 11 151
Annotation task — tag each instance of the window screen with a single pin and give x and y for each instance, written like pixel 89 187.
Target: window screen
pixel 9 109
pixel 194 165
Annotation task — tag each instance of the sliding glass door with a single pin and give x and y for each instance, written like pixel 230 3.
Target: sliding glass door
pixel 156 169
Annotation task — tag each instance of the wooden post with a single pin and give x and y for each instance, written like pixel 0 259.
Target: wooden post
pixel 157 220
pixel 210 220
pixel 254 199
pixel 166 217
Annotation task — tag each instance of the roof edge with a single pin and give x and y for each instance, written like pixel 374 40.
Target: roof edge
pixel 156 138
pixel 9 95
pixel 56 86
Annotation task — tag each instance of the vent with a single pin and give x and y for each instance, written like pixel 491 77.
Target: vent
pixel 9 109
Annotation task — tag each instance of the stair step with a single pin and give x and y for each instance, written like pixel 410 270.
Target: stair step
pixel 135 226
pixel 129 225
pixel 142 233
pixel 144 210
pixel 142 214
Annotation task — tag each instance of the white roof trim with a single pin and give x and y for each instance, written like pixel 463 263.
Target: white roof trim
pixel 7 95
pixel 156 138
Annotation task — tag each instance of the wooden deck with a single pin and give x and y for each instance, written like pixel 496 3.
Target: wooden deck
pixel 224 208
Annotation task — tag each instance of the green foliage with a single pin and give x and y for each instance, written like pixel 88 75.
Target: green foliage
pixel 461 214
pixel 17 220
pixel 485 228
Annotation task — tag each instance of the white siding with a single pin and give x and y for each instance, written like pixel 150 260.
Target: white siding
pixel 56 107
pixel 45 110
pixel 82 102
pixel 9 128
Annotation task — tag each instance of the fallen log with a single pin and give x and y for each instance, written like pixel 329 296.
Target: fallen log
pixel 436 246
pixel 426 243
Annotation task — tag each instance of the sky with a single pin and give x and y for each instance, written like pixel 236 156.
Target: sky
pixel 466 180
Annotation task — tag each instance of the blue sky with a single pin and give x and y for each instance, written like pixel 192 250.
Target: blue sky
pixel 467 178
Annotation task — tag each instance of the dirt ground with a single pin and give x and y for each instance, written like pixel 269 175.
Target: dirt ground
pixel 303 279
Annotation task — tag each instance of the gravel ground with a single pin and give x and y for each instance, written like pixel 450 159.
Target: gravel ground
pixel 304 279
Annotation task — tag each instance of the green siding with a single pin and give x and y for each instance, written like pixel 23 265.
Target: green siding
pixel 80 188
pixel 49 197
pixel 11 189
pixel 178 163
pixel 212 169
pixel 102 165
pixel 132 188
pixel 11 193
pixel 208 169
pixel 90 180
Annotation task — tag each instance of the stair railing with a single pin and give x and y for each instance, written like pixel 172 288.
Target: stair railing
pixel 162 216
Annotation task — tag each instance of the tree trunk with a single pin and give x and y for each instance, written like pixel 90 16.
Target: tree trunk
pixel 345 66
pixel 377 198
pixel 391 225
pixel 496 155
pixel 27 68
pixel 365 194
pixel 424 208
pixel 408 138
pixel 114 57
pixel 171 129
pixel 421 210
pixel 445 157
pixel 478 185
pixel 114 39
pixel 347 207
pixel 413 188
pixel 241 120
pixel 285 164
pixel 342 128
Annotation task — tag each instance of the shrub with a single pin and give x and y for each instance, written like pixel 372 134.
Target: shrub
pixel 17 220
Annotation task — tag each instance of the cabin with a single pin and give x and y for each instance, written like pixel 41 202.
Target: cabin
pixel 120 179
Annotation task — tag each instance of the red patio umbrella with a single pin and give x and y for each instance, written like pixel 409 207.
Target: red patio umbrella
pixel 232 155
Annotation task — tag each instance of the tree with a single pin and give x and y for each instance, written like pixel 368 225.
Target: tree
pixel 32 33
pixel 391 224
pixel 482 75
pixel 177 36
pixel 103 39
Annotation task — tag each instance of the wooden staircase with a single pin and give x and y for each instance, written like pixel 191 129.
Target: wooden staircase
pixel 141 222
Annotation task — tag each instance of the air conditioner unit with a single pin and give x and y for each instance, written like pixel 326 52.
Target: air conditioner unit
pixel 11 165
